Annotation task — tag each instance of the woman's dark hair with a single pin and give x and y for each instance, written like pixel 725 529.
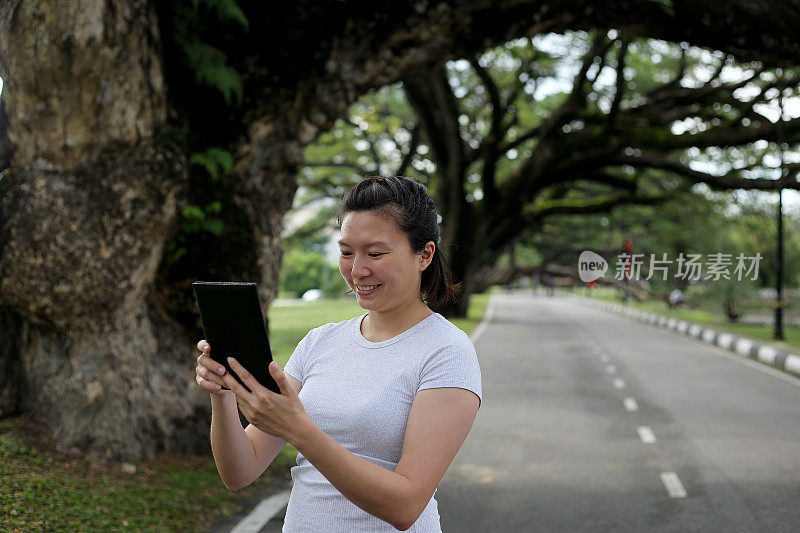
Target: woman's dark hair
pixel 408 203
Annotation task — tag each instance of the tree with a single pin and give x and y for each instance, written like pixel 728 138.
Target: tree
pixel 502 158
pixel 118 117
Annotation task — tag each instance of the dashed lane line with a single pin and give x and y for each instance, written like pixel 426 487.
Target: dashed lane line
pixel 673 485
pixel 646 434
pixel 630 404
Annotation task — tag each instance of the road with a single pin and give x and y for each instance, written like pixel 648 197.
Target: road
pixel 585 412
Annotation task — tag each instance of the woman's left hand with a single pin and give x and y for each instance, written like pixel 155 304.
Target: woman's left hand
pixel 281 415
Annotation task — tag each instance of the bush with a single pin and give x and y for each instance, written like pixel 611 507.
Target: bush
pixel 302 271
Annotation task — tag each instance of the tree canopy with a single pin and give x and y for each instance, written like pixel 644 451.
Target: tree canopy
pixel 563 124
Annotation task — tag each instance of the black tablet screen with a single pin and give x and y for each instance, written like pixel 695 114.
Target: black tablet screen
pixel 234 327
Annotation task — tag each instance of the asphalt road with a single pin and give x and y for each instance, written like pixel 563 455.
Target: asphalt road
pixel 584 412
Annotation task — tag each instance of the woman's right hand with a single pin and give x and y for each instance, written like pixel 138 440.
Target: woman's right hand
pixel 208 373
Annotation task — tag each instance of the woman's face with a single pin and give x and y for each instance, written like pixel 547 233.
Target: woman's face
pixel 376 261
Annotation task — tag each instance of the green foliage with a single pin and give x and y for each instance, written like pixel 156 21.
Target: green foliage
pixel 302 271
pixel 227 10
pixel 194 220
pixel 755 229
pixel 699 223
pixel 638 97
pixel 218 162
pixel 207 61
pixel 367 141
pixel 211 70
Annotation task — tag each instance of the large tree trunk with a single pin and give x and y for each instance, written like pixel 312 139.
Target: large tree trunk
pixel 96 331
pixel 86 210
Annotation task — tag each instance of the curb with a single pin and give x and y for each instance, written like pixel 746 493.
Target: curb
pixel 768 355
pixel 243 516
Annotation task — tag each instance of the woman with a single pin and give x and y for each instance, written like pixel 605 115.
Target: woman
pixel 378 405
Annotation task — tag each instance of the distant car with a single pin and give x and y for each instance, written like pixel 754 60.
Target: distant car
pixel 312 295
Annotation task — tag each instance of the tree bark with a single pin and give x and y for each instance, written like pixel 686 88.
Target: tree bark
pixel 86 209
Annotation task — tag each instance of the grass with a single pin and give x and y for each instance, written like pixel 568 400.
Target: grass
pixel 708 318
pixel 44 489
pixel 288 324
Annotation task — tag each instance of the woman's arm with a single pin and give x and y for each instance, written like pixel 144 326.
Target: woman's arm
pixel 438 423
pixel 241 455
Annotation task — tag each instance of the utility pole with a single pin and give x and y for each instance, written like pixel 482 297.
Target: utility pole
pixel 777 332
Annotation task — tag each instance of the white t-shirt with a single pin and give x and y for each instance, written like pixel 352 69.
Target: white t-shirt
pixel 360 392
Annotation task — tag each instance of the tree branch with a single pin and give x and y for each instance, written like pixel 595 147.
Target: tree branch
pixel 413 144
pixel 530 134
pixel 728 181
pixel 719 136
pixel 577 98
pixel 619 86
pixel 361 170
pixel 490 143
pixel 583 206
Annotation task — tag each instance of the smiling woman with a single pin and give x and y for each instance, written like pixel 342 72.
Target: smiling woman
pixel 378 405
pixel 384 274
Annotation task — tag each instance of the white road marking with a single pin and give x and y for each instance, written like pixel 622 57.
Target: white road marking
pixel 262 514
pixel 646 434
pixel 630 404
pixel 611 369
pixel 619 383
pixel 605 358
pixel 673 485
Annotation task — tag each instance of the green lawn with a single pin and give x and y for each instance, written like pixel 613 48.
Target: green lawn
pixel 706 318
pixel 46 490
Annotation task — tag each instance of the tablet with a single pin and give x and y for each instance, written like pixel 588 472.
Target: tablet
pixel 234 327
